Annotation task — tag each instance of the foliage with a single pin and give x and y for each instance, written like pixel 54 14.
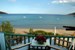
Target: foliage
pixel 44 33
pixel 50 33
pixel 0 28
pixel 30 30
pixel 59 34
pixel 40 32
pixel 6 27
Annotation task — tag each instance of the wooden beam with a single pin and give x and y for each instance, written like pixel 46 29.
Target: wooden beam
pixel 20 46
pixel 54 47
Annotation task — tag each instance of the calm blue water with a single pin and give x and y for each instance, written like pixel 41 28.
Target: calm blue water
pixel 38 20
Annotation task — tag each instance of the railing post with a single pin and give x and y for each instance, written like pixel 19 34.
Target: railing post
pixel 54 40
pixel 33 37
pixel 24 39
pixel 72 38
pixel 28 38
pixel 63 42
pixel 67 42
pixel 50 40
pixel 2 41
pixel 12 40
pixel 59 40
pixel 17 39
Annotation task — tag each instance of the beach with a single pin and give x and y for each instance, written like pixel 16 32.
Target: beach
pixel 59 31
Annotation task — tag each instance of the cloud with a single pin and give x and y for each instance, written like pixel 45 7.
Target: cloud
pixel 63 1
pixel 12 0
pixel 69 2
pixel 60 1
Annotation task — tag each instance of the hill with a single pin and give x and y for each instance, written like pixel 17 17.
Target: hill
pixel 2 12
pixel 72 14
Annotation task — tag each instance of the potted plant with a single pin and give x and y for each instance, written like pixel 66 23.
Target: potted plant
pixel 40 39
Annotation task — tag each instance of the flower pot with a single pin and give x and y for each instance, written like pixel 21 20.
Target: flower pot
pixel 40 42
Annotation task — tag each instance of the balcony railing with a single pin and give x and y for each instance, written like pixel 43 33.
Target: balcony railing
pixel 14 39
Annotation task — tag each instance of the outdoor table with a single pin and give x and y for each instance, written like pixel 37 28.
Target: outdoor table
pixel 37 46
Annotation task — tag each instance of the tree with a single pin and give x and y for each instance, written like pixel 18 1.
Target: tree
pixel 0 28
pixel 6 27
pixel 31 30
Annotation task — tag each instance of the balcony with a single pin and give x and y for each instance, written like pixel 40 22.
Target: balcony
pixel 20 41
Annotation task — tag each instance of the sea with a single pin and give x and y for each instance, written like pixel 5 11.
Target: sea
pixel 38 21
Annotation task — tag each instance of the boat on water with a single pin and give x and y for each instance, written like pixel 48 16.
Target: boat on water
pixel 69 27
pixel 24 16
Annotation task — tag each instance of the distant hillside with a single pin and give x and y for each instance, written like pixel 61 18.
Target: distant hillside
pixel 2 12
pixel 72 14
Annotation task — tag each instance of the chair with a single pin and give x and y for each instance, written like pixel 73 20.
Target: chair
pixel 72 45
pixel 17 47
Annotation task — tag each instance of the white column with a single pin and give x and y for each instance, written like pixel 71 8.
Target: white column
pixel 2 41
pixel 54 30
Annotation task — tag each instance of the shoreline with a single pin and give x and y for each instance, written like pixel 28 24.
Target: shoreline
pixel 26 30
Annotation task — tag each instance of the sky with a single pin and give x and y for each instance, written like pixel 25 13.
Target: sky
pixel 37 6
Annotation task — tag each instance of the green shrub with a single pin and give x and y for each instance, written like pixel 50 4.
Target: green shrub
pixel 40 32
pixel 59 34
pixel 6 27
pixel 50 33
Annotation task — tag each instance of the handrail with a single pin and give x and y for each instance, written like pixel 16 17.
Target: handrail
pixel 45 35
pixel 20 46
